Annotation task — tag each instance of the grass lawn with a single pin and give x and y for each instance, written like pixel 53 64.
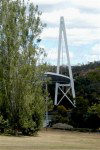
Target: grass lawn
pixel 52 140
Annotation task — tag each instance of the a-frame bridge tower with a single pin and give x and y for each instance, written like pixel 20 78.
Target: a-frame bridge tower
pixel 69 82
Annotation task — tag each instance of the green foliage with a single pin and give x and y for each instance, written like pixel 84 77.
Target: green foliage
pixel 61 115
pixel 94 75
pixel 95 109
pixel 3 124
pixel 85 114
pixel 21 95
pixel 62 110
pixel 50 104
pixel 79 112
pixel 93 116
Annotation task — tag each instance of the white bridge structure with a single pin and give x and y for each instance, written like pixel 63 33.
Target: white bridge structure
pixel 61 81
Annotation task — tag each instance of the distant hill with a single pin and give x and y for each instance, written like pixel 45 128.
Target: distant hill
pixel 84 69
pixel 78 69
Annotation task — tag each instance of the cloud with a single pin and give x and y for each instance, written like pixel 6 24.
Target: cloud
pixel 86 3
pixel 94 54
pixel 81 36
pixel 77 3
pixel 52 55
pixel 73 16
pixel 96 50
pixel 54 16
pixel 46 2
pixel 50 33
pixel 91 58
pixel 76 36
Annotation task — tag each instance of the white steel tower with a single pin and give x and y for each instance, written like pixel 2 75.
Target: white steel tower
pixel 62 34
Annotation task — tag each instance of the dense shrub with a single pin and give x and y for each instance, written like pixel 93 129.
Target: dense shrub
pixel 60 115
pixel 3 124
pixel 93 117
pixel 78 113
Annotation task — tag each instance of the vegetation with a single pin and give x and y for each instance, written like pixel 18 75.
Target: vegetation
pixel 60 115
pixel 88 86
pixel 21 95
pixel 86 114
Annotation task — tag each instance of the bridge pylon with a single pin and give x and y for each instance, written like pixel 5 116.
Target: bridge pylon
pixel 62 35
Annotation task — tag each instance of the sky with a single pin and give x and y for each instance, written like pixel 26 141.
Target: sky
pixel 82 19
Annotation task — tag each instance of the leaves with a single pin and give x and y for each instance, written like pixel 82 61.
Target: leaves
pixel 19 98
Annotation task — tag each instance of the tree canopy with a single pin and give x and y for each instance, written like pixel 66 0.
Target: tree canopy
pixel 21 94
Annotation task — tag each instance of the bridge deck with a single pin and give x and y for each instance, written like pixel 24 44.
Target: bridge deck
pixel 59 78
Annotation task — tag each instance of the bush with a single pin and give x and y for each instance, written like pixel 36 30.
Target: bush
pixel 93 117
pixel 60 116
pixel 3 124
pixel 79 112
